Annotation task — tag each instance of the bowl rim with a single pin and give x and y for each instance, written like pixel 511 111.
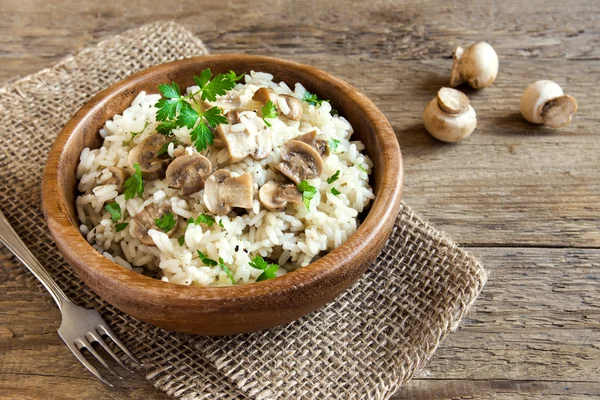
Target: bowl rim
pixel 76 248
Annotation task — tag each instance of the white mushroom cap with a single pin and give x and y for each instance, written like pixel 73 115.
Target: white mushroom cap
pixel 544 102
pixel 449 117
pixel 222 192
pixel 477 66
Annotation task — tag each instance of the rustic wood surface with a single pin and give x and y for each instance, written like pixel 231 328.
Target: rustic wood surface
pixel 526 199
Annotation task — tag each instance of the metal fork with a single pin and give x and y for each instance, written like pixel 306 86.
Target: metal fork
pixel 80 327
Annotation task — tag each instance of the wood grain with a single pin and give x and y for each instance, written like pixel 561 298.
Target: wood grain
pixel 528 198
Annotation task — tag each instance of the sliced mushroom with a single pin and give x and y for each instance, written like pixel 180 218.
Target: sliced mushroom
pixel 119 176
pixel 230 101
pixel 300 161
pixel 145 154
pixel 320 145
pixel 146 220
pixel 242 143
pixel 188 172
pixel 291 107
pixel 222 192
pixel 275 195
pixel 264 94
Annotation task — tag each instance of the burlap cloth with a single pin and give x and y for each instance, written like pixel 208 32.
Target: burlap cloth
pixel 366 344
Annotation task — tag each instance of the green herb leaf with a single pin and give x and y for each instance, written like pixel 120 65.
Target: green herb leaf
pixel 181 240
pixel 335 192
pixel 167 109
pixel 134 185
pixel 227 271
pixel 269 111
pixel 268 269
pixel 333 145
pixel 221 223
pixel 166 222
pixel 233 77
pixel 170 91
pixel 202 136
pixel 333 177
pixel 218 86
pixel 359 166
pixel 187 116
pixel 214 117
pixel 312 99
pixel 115 211
pixel 308 192
pixel 205 260
pixel 121 226
pixel 333 112
pixel 205 219
pixel 165 128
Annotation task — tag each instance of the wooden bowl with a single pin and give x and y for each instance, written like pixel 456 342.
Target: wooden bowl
pixel 236 309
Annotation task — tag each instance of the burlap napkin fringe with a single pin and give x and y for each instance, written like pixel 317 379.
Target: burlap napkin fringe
pixel 364 345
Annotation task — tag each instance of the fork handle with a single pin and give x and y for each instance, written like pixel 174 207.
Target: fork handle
pixel 13 242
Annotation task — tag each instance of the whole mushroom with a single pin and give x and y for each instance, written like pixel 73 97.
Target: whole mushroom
pixel 275 195
pixel 222 192
pixel 188 172
pixel 300 161
pixel 146 220
pixel 477 66
pixel 544 102
pixel 449 117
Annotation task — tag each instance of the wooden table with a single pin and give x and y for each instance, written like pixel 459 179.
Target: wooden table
pixel 526 199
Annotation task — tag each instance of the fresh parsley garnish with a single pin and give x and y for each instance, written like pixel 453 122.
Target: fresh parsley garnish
pixel 174 110
pixel 333 177
pixel 134 185
pixel 314 100
pixel 359 166
pixel 335 192
pixel 269 111
pixel 114 209
pixel 134 134
pixel 166 222
pixel 268 269
pixel 221 223
pixel 205 260
pixel 333 145
pixel 227 271
pixel 121 226
pixel 308 192
pixel 212 263
pixel 205 219
pixel 233 77
pixel 181 240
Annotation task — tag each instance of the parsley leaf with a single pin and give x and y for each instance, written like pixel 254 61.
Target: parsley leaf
pixel 227 271
pixel 333 145
pixel 166 222
pixel 311 99
pixel 211 87
pixel 167 109
pixel 308 192
pixel 214 117
pixel 335 192
pixel 187 116
pixel 333 177
pixel 121 226
pixel 269 111
pixel 181 240
pixel 170 91
pixel 134 185
pixel 205 219
pixel 268 269
pixel 202 136
pixel 165 127
pixel 233 77
pixel 114 209
pixel 221 223
pixel 205 260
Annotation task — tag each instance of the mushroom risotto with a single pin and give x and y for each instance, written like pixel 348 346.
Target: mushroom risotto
pixel 238 179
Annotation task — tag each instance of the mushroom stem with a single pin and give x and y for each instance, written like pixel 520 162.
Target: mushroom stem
pixel 544 102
